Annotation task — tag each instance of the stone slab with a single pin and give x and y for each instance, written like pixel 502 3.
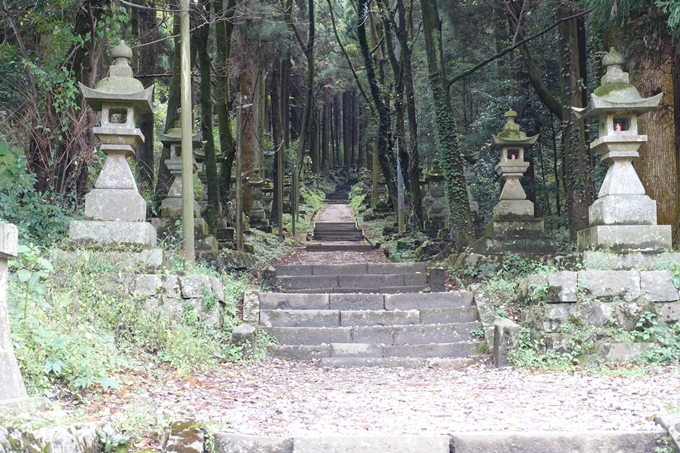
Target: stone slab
pixel 519 245
pixel 448 315
pixel 307 281
pixel 373 334
pixel 79 438
pixel 368 281
pixel 415 279
pixel 562 287
pixel 371 444
pixel 238 443
pixel 294 301
pixel 115 205
pixel 299 352
pixel 99 233
pixel 300 318
pixel 251 306
pixel 505 342
pixel 148 285
pixel 350 301
pixel 339 269
pixel 351 362
pixel 460 349
pixel 622 352
pixel 513 209
pixel 434 333
pixel 511 228
pixel 9 240
pixel 428 300
pixel 669 311
pixel 148 259
pixel 609 285
pixel 356 350
pixel 625 260
pixel 657 286
pixel 563 442
pixel 311 335
pixel 395 268
pixel 294 270
pixel 379 317
pixel 626 237
pixel 622 210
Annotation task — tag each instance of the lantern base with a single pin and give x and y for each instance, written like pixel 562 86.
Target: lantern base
pixel 96 233
pixel 531 227
pixel 626 237
pixel 623 210
pixel 519 245
pixel 115 205
pixel 513 210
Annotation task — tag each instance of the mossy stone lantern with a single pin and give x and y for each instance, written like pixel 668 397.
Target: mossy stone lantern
pixel 115 212
pixel 514 229
pixel 623 217
pixel 171 206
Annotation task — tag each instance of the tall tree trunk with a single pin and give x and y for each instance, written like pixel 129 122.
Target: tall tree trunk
pixel 247 134
pixel 224 29
pixel 451 160
pixel 346 129
pixel 213 211
pixel 578 183
pixel 325 137
pixel 277 133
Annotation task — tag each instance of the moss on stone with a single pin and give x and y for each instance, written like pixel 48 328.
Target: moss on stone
pixel 603 91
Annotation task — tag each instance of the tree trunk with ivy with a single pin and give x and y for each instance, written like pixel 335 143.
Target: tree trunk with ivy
pixel 451 159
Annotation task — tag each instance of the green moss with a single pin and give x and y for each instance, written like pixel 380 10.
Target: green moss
pixel 516 135
pixel 603 91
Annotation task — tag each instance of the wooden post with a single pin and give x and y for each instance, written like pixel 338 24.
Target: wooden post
pixel 187 134
pixel 239 182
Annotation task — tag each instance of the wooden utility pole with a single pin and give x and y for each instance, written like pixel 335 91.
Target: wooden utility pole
pixel 187 134
pixel 239 181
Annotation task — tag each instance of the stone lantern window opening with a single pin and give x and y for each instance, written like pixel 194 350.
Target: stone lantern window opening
pixel 508 154
pixel 113 115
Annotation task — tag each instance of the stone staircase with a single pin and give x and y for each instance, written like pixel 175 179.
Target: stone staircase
pixel 337 231
pixel 341 193
pixel 368 314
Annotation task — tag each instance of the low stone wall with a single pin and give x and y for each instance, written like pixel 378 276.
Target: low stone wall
pixel 57 439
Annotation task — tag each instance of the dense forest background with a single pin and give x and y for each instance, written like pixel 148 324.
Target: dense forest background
pixel 342 85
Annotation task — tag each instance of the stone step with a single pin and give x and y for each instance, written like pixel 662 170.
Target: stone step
pixel 374 290
pixel 388 335
pixel 334 225
pixel 339 237
pixel 355 268
pixel 620 441
pixel 375 351
pixel 364 318
pixel 362 301
pixel 339 247
pixel 295 282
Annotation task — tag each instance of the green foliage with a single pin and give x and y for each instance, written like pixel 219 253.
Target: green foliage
pixel 113 441
pixel 533 355
pixel 41 218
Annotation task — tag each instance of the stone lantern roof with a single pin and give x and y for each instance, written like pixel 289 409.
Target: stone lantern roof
pixel 174 136
pixel 511 135
pixel 616 92
pixel 120 86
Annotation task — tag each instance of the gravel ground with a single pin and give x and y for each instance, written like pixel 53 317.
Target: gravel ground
pixel 279 397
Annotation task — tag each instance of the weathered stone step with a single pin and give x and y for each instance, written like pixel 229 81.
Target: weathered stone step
pixel 356 301
pixel 467 442
pixel 339 237
pixel 334 225
pixel 388 335
pixel 351 281
pixel 354 268
pixel 352 318
pixel 373 290
pixel 339 247
pixel 372 350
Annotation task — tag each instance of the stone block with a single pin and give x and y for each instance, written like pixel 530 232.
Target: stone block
pixel 395 268
pixel 408 301
pixel 549 441
pixel 339 269
pixel 282 271
pixel 157 285
pixel 505 341
pixel 625 260
pixel 251 306
pixel 194 286
pixel 149 259
pixel 286 301
pixel 353 362
pixel 244 335
pixel 184 437
pixel 416 279
pixel 433 333
pixel 626 237
pixel 486 312
pixel 356 350
pixel 461 349
pixel 437 279
pixel 657 286
pixel 299 352
pixel 9 240
pixel 81 438
pixel 527 288
pixel 622 352
pixel 238 443
pixel 371 444
pixel 311 335
pixel 519 245
pixel 115 205
pixel 623 210
pixel 609 285
pixel 379 317
pixel 370 281
pixel 373 334
pixel 516 228
pixel 513 209
pixel 307 282
pixel 349 301
pixel 448 315
pixel 300 318
pixel 669 311
pixel 562 287
pixel 100 233
pixel 217 288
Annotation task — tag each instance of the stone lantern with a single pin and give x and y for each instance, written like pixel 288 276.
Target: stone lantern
pixel 257 217
pixel 287 186
pixel 514 229
pixel 267 196
pixel 436 215
pixel 171 206
pixel 115 212
pixel 623 217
